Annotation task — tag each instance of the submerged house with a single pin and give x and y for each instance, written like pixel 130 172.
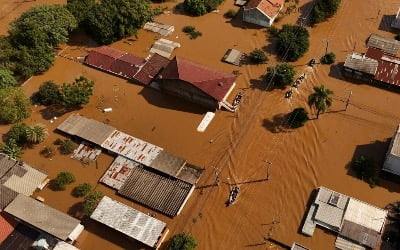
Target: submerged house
pixel 262 12
pixel 392 160
pixel 196 83
pixel 359 225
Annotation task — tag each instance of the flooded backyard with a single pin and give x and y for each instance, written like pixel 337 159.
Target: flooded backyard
pixel 236 145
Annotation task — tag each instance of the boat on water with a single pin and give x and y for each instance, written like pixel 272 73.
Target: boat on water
pixel 233 195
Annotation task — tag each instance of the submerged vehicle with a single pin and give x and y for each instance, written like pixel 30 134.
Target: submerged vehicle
pixel 233 195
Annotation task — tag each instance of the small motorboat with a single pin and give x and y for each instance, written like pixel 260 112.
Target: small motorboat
pixel 289 93
pixel 296 84
pixel 233 195
pixel 237 99
pixel 301 77
pixel 312 62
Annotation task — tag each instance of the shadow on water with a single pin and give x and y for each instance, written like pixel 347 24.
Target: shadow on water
pixel 277 124
pixel 52 111
pixel 166 101
pixel 305 16
pixel 335 71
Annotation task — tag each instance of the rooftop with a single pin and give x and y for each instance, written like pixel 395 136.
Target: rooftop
pixel 42 217
pixel 270 8
pixel 388 66
pixel 85 128
pixel 211 81
pixel 233 56
pixel 129 221
pixel 150 69
pixel 162 29
pixel 165 194
pixel 7 225
pixel 118 172
pixel 396 21
pixel 387 45
pixel 361 63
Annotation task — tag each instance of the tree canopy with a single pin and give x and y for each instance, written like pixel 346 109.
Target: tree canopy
pixel 80 9
pixel 324 9
pixel 298 117
pixel 258 56
pixel 30 61
pixel 111 20
pixel 200 7
pixel 62 179
pixel 182 241
pixel 321 99
pixel 49 93
pixel 91 201
pixel 293 42
pixel 6 78
pixel 281 74
pixel 11 149
pixel 366 169
pixel 14 105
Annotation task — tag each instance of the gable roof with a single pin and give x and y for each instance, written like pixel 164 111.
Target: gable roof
pixel 151 68
pixel 270 8
pixel 103 57
pixel 127 65
pixel 211 81
pixel 388 45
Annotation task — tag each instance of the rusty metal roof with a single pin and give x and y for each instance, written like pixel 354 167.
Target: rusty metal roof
pixel 150 69
pixel 118 172
pixel 270 8
pixel 388 66
pixel 213 82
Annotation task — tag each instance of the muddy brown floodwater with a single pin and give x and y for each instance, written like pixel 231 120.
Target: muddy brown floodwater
pixel 302 159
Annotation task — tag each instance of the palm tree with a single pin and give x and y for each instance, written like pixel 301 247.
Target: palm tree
pixel 36 134
pixel 320 99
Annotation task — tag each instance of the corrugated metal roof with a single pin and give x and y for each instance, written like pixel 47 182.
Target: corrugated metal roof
pixel 190 173
pixel 87 129
pixel 6 196
pixel 103 57
pixel 6 163
pixel 131 147
pixel 211 81
pixel 162 29
pixel 127 65
pixel 7 225
pixel 28 182
pixel 164 47
pixel 86 152
pixel 42 216
pixel 118 172
pixel 388 45
pixel 168 163
pixel 165 194
pixel 233 56
pixel 270 8
pixel 151 68
pixel 361 234
pixel 344 244
pixel 361 63
pixel 129 221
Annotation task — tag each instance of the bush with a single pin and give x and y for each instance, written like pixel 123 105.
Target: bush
pixel 258 56
pixel 62 179
pixel 91 201
pixel 11 149
pixel 365 169
pixel 82 189
pixel 298 117
pixel 66 146
pixel 17 132
pixel 281 75
pixel 328 58
pixel 324 9
pixel 6 78
pixel 200 7
pixel 230 13
pixel 182 241
pixel 293 42
pixel 36 134
pixel 48 152
pixel 188 29
pixel 49 93
pixel 195 34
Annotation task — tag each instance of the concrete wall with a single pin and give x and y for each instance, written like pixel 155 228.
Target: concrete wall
pixel 257 17
pixel 188 92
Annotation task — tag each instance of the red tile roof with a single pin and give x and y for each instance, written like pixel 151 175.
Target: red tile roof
pixel 7 225
pixel 151 68
pixel 127 65
pixel 213 82
pixel 388 70
pixel 268 7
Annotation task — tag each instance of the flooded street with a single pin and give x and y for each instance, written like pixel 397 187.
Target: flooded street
pixel 239 145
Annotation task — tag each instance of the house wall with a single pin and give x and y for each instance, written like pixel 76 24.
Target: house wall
pixel 257 17
pixel 358 75
pixel 188 92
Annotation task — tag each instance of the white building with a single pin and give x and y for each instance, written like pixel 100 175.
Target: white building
pixel 262 12
pixel 392 160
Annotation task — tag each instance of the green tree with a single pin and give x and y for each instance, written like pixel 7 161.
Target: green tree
pixel 14 105
pixel 62 179
pixel 36 134
pixel 321 99
pixel 11 149
pixel 48 152
pixel 111 20
pixel 324 9
pixel 30 61
pixel 80 9
pixel 82 189
pixel 65 146
pixel 77 93
pixel 366 169
pixel 258 56
pixel 6 78
pixel 298 117
pixel 182 241
pixel 17 133
pixel 293 42
pixel 328 58
pixel 281 74
pixel 49 93
pixel 42 25
pixel 195 7
pixel 91 201
pixel 7 52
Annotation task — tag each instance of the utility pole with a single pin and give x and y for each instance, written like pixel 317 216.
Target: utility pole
pixel 348 100
pixel 268 167
pixel 326 47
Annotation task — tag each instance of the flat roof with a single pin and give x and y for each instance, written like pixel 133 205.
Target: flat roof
pixel 162 193
pixel 361 234
pixel 131 147
pixel 129 221
pixel 42 216
pixel 85 128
